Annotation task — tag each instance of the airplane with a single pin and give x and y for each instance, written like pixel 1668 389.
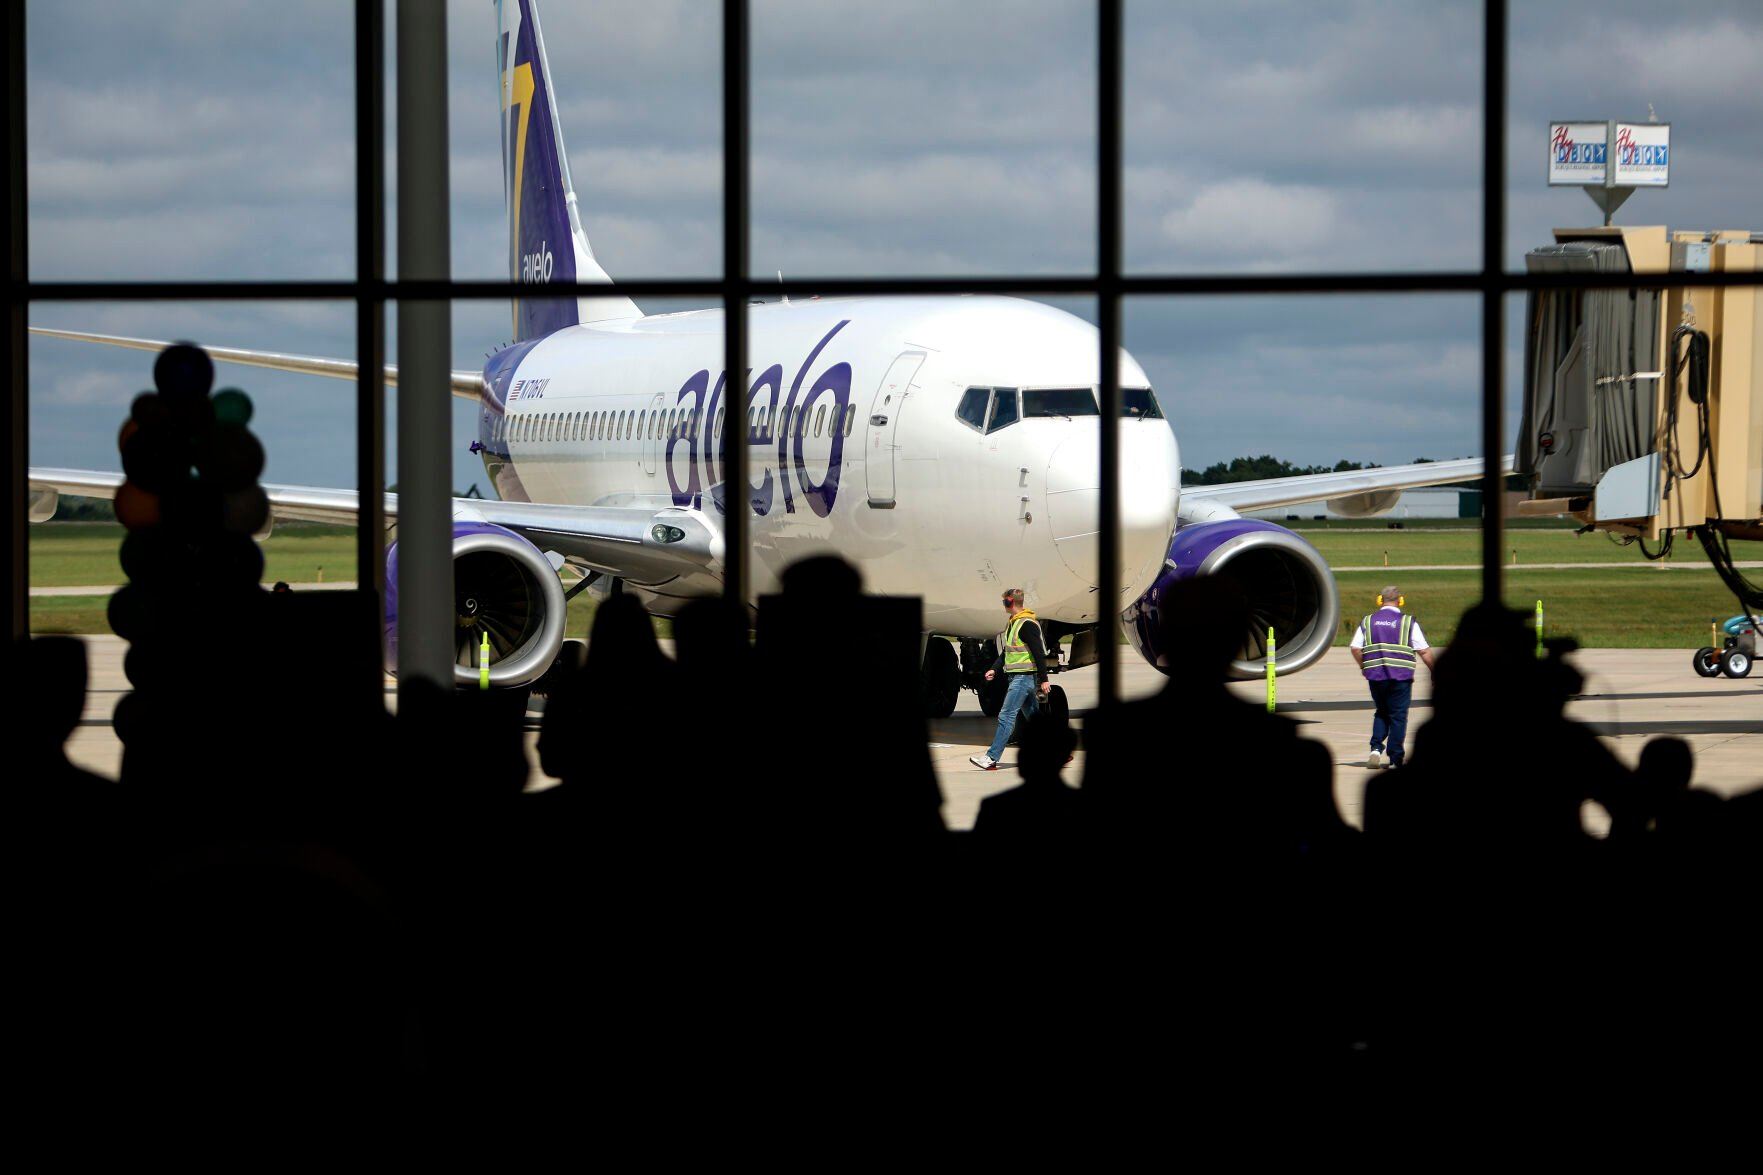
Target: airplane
pixel 945 445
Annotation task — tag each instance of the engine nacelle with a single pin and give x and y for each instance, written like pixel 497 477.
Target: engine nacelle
pixel 1289 586
pixel 502 585
pixel 1367 505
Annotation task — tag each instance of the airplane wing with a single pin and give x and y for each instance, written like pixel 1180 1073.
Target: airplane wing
pixel 1314 487
pixel 621 541
pixel 467 385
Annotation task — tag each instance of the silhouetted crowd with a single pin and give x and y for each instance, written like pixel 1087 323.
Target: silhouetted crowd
pixel 742 892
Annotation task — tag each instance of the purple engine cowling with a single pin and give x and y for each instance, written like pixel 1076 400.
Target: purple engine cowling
pixel 1289 585
pixel 504 585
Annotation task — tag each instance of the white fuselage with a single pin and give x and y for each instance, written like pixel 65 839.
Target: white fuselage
pixel 855 446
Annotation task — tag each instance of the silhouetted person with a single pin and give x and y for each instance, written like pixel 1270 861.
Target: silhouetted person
pixel 1223 938
pixel 55 668
pixel 1488 865
pixel 1194 767
pixel 1043 814
pixel 846 751
pixel 281 585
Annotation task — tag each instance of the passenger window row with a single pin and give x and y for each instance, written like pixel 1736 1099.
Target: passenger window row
pixel 541 427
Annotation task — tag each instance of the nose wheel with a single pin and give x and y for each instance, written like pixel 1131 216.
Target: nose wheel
pixel 941 677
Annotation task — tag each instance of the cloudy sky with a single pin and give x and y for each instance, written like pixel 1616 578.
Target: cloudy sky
pixel 214 139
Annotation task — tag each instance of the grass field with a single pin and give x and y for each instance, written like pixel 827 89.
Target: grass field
pixel 1611 606
pixel 78 554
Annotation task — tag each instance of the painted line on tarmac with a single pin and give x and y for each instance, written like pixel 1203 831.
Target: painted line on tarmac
pixel 1745 564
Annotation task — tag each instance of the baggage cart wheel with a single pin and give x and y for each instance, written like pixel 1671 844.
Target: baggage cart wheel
pixel 1735 663
pixel 1707 662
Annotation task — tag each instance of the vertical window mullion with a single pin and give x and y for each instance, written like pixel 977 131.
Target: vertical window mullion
pixel 1109 36
pixel 16 427
pixel 736 268
pixel 1493 301
pixel 370 304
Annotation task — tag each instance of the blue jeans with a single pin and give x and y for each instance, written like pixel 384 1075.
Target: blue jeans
pixel 1021 696
pixel 1391 723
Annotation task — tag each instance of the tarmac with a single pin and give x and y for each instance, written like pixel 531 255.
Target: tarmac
pixel 1630 696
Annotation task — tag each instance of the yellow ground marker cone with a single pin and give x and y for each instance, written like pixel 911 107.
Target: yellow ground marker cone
pixel 483 663
pixel 1539 628
pixel 1271 688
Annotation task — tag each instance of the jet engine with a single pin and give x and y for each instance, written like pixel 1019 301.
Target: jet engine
pixel 502 585
pixel 1289 586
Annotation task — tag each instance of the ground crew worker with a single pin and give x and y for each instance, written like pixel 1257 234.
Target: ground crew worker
pixel 1023 663
pixel 1386 646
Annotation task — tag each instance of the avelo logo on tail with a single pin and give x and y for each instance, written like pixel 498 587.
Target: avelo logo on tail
pixel 537 266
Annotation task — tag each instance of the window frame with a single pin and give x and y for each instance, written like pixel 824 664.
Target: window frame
pixel 1107 282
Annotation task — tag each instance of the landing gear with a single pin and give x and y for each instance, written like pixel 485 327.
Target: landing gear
pixel 991 695
pixel 977 656
pixel 941 676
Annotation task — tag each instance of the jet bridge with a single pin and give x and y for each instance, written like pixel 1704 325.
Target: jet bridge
pixel 1643 409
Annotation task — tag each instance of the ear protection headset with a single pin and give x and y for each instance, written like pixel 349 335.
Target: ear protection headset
pixel 1401 601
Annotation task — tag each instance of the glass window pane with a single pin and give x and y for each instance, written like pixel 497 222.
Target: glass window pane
pixel 207 140
pixel 1042 402
pixel 636 95
pixel 1140 404
pixel 972 408
pixel 1369 105
pixel 1003 409
pixel 80 395
pixel 924 138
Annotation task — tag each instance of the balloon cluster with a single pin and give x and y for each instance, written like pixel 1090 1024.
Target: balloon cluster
pixel 192 506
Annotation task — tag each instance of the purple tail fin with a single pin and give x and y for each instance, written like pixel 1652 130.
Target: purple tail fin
pixel 545 238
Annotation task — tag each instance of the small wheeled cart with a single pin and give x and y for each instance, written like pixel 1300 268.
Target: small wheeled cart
pixel 1737 652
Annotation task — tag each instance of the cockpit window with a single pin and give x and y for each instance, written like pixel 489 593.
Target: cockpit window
pixel 1059 402
pixel 1003 408
pixel 972 408
pixel 1139 404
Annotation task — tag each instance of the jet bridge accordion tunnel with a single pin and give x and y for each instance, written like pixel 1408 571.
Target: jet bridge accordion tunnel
pixel 1643 409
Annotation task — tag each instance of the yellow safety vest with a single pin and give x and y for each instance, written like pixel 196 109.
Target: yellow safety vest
pixel 1017 658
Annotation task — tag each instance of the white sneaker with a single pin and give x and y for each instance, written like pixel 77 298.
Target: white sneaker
pixel 983 762
pixel 1375 759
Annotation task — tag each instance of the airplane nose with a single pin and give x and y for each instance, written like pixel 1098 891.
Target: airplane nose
pixel 1149 484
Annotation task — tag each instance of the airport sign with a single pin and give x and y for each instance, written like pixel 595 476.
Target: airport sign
pixel 1642 155
pixel 1579 153
pixel 1610 154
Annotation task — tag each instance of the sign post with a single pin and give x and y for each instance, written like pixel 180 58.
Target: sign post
pixel 1609 159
